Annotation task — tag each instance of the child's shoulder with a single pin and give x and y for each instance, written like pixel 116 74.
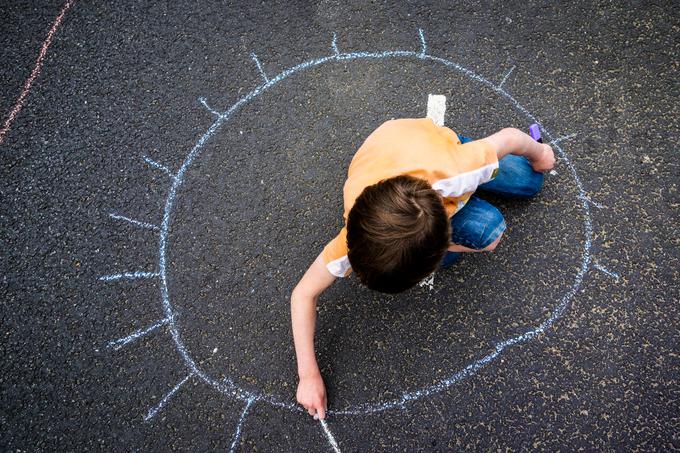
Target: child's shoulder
pixel 397 127
pixel 408 122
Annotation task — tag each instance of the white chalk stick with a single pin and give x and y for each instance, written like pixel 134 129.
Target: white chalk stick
pixel 436 108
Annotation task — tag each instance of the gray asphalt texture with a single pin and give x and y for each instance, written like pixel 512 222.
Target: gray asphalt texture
pixel 122 81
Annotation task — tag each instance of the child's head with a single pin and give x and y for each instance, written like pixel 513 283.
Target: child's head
pixel 397 233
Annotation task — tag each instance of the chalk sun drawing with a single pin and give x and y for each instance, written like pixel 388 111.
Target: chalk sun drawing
pixel 250 398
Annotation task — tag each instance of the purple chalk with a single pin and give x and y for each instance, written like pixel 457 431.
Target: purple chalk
pixel 535 132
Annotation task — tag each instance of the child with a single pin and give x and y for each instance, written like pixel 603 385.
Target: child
pixel 409 208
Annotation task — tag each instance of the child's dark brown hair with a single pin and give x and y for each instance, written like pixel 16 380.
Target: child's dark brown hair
pixel 397 233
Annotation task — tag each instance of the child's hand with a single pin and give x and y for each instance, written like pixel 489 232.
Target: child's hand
pixel 311 393
pixel 546 161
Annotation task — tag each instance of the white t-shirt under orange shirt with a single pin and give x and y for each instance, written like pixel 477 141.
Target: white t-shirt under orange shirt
pixel 414 147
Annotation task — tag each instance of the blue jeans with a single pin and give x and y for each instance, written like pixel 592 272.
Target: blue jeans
pixel 479 223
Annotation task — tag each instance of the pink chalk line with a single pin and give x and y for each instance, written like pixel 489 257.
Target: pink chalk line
pixel 36 70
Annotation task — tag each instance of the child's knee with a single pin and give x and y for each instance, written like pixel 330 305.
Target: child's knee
pixel 491 247
pixel 491 233
pixel 490 240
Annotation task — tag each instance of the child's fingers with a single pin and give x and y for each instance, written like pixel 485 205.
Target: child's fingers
pixel 322 413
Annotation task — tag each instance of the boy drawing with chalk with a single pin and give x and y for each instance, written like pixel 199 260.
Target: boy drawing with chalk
pixel 409 209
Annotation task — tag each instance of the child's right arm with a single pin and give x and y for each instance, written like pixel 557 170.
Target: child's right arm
pixel 311 392
pixel 514 141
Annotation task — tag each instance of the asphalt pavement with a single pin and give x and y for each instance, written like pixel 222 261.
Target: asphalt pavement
pixel 175 168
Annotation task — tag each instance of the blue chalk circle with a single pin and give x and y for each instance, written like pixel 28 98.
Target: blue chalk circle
pixel 221 118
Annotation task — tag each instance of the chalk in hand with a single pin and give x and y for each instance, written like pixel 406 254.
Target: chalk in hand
pixel 535 132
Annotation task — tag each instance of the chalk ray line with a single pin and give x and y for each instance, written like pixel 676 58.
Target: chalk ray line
pixel 563 138
pixel 128 276
pixel 203 101
pixel 237 433
pixel 21 100
pixel 606 271
pixel 505 78
pixel 363 409
pixel 160 167
pixel 423 44
pixel 154 410
pixel 117 344
pixel 587 199
pixel 146 225
pixel 329 436
pixel 334 44
pixel 259 67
